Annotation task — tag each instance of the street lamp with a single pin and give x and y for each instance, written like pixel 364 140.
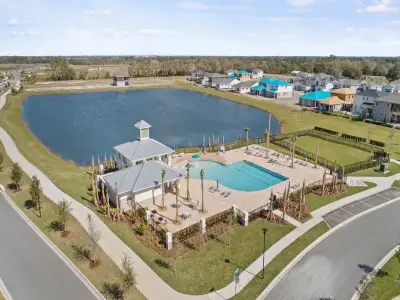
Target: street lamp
pixel 265 230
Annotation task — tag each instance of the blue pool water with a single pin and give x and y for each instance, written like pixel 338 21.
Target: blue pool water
pixel 240 176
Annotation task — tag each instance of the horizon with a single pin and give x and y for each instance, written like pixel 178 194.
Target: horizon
pixel 290 28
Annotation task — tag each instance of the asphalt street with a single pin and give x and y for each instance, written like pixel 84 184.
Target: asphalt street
pixel 29 268
pixel 333 269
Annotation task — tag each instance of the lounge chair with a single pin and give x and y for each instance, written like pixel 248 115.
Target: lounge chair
pixel 227 194
pixel 211 188
pixel 223 193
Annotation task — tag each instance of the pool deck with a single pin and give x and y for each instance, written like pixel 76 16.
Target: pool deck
pixel 245 201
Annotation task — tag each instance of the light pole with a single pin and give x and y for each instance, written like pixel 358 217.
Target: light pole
pixel 265 230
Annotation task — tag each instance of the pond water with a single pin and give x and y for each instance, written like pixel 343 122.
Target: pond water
pixel 77 126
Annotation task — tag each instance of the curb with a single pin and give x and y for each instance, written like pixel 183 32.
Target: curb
pixel 286 270
pixel 4 292
pixel 57 251
pixel 377 268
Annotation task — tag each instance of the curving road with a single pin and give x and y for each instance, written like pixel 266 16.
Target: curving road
pixel 29 268
pixel 335 266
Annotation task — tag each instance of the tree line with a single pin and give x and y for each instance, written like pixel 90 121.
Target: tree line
pixel 352 67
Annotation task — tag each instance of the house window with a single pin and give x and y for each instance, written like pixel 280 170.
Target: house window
pixel 376 103
pixel 381 114
pixel 363 98
pixel 387 105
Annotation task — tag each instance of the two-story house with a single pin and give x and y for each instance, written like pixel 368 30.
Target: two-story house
pixel 257 74
pixel 225 84
pixel 196 75
pixel 276 88
pixel 364 102
pixel 387 109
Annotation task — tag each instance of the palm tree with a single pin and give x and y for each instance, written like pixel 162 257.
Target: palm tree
pixel 163 172
pixel 188 181
pixel 202 189
pixel 246 130
pixel 292 140
pixel 176 200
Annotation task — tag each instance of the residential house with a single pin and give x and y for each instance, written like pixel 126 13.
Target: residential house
pixel 259 90
pixel 196 75
pixel 257 74
pixel 347 83
pixel 276 88
pixel 364 102
pixel 206 79
pixel 243 75
pixel 294 73
pixel 304 84
pixel 366 85
pixel 312 99
pixel 331 104
pixel 244 87
pixel 231 72
pixel 140 163
pixel 225 84
pixel 387 109
pixel 322 82
pixel 121 80
pixel 346 95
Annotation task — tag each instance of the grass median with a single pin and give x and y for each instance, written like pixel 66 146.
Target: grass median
pixel 257 285
pixel 107 272
pixel 387 286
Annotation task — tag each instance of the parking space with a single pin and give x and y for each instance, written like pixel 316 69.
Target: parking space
pixel 340 215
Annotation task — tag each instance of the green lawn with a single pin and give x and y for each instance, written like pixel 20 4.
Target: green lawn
pixel 257 285
pixel 342 154
pixel 373 172
pixel 107 272
pixel 314 201
pixel 396 184
pixel 386 285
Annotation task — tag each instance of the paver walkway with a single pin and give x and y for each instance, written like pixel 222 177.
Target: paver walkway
pixel 148 282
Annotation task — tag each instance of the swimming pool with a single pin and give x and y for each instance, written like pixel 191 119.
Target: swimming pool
pixel 240 176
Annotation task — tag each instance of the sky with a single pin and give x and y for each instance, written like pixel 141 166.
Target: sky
pixel 200 27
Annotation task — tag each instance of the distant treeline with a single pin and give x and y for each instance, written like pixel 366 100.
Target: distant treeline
pixel 352 67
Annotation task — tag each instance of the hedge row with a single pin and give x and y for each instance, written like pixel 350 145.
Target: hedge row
pixel 354 138
pixel 377 143
pixel 378 123
pixel 326 130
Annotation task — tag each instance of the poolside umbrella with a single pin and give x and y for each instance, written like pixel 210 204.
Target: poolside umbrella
pixel 217 184
pixel 223 140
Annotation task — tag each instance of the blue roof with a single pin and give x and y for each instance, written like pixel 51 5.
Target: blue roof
pixel 273 90
pixel 317 96
pixel 243 72
pixel 274 81
pixel 259 87
pixel 231 75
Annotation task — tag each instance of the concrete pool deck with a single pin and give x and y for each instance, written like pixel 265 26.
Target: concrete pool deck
pixel 214 201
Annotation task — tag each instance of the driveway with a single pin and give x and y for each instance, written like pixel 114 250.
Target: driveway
pixel 336 265
pixel 29 268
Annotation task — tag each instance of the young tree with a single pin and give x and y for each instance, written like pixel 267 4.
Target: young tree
pixel 188 181
pixel 292 140
pixel 202 189
pixel 176 201
pixel 35 191
pixel 16 175
pixel 63 210
pixel 1 161
pixel 128 275
pixel 95 236
pixel 163 173
pixel 246 130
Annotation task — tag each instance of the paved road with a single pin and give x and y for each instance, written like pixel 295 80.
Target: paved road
pixel 335 266
pixel 29 268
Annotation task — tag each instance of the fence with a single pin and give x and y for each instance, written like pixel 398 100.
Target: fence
pixel 358 166
pixel 221 217
pixel 256 213
pixel 187 232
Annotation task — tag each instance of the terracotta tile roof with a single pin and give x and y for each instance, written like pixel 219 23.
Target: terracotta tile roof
pixel 332 101
pixel 344 91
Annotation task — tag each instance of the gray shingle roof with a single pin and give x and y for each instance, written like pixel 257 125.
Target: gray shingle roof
pixel 246 84
pixel 395 82
pixel 391 98
pixel 141 176
pixel 373 93
pixel 223 80
pixel 138 150
pixel 142 125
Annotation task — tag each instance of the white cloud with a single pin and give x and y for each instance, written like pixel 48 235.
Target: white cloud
pixel 300 3
pixel 381 6
pixel 13 22
pixel 91 14
pixel 23 33
pixel 194 5
pixel 154 31
pixel 285 19
pixel 396 22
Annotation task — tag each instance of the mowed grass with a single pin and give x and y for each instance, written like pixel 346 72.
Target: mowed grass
pixel 396 184
pixel 374 172
pixel 257 285
pixel 387 287
pixel 315 201
pixel 342 154
pixel 107 272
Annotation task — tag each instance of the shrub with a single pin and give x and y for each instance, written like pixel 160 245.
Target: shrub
pixel 354 138
pixel 141 229
pixel 326 130
pixel 377 143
